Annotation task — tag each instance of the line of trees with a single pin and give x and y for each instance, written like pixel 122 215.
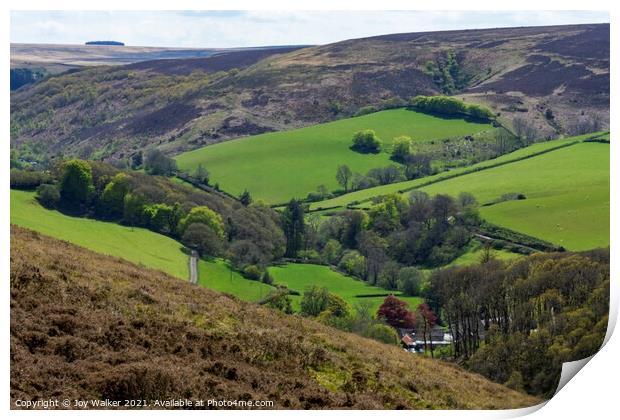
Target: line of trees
pixel 415 166
pixel 445 105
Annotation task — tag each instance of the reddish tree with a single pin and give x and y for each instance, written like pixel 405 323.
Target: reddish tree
pixel 426 321
pixel 394 311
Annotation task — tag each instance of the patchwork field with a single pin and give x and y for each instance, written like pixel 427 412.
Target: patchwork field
pixel 369 193
pixel 217 275
pixel 299 276
pixel 278 166
pixel 567 195
pixel 133 244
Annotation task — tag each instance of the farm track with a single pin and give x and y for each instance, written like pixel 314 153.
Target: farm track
pixel 193 267
pixel 490 238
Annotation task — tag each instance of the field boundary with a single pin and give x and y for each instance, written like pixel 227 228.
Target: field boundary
pixel 354 204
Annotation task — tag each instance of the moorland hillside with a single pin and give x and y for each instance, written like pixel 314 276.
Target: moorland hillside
pixel 551 80
pixel 84 325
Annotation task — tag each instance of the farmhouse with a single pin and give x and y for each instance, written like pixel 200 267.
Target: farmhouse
pixel 412 340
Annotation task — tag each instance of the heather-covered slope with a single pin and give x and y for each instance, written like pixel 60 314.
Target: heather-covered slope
pixel 85 326
pixel 551 77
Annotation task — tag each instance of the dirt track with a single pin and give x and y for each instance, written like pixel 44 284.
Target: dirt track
pixel 193 267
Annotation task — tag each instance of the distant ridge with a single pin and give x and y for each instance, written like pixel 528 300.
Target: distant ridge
pixel 104 43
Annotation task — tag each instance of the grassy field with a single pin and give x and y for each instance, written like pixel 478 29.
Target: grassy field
pixel 474 253
pixel 358 196
pixel 278 166
pixel 567 195
pixel 136 245
pixel 216 275
pixel 299 276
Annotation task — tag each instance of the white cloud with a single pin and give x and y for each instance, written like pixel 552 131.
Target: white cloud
pixel 252 28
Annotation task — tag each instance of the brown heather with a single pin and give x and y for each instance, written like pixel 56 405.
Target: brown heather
pixel 87 326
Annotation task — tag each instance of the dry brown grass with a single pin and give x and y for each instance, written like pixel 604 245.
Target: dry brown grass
pixel 85 325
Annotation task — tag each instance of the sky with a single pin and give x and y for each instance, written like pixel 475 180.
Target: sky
pixel 226 29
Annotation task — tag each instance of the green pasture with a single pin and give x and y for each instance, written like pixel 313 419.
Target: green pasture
pixel 299 276
pixel 367 194
pixel 567 195
pixel 276 167
pixel 474 253
pixel 217 275
pixel 133 244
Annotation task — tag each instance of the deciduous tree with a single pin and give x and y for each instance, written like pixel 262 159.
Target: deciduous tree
pixel 76 183
pixel 395 312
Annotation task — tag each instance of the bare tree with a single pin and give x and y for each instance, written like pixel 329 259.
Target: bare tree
pixel 343 176
pixel 502 141
pixel 525 130
pixel 585 124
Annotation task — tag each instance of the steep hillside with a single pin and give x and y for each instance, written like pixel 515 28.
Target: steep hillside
pixel 88 326
pixel 555 78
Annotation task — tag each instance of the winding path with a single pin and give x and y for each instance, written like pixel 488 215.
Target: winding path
pixel 193 267
pixel 490 238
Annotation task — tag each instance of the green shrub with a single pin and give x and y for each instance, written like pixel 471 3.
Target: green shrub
pixel 314 301
pixel 446 105
pixel 409 281
pixel 365 110
pixel 382 333
pixel 201 237
pixel 25 180
pixel 267 278
pixel 48 195
pixel 353 263
pixel 76 183
pixel 113 197
pixel 331 252
pixel 203 214
pixel 252 272
pixel 401 148
pixel 366 141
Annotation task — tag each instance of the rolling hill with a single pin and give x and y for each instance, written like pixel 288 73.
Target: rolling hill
pixel 57 58
pixel 565 183
pixel 567 195
pixel 138 245
pixel 278 166
pixel 118 110
pixel 104 328
pixel 366 195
